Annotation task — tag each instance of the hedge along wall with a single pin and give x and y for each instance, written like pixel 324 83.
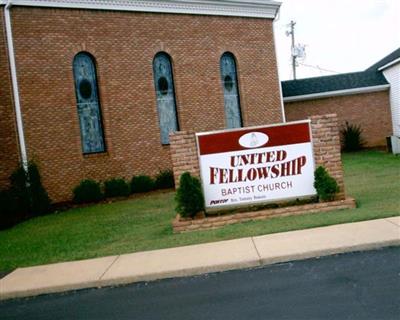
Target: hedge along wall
pixel 326 144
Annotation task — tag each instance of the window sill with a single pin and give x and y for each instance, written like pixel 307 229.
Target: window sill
pixel 95 155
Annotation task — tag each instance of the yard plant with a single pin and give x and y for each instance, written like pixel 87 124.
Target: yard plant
pixel 352 139
pixel 165 180
pixel 142 183
pixel 88 191
pixel 325 185
pixel 189 196
pixel 25 198
pixel 116 187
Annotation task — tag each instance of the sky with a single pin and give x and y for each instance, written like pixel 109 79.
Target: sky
pixel 339 35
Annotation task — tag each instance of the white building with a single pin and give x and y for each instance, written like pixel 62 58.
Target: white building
pixel 390 67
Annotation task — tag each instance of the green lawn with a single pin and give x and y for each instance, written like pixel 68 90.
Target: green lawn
pixel 372 177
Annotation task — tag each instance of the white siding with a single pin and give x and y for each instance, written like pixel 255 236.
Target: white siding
pixel 392 75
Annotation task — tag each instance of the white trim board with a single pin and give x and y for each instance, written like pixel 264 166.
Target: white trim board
pixel 391 63
pixel 240 8
pixel 345 92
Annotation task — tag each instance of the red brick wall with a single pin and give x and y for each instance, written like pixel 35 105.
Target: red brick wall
pixel 184 154
pixel 8 140
pixel 124 45
pixel 369 110
pixel 326 144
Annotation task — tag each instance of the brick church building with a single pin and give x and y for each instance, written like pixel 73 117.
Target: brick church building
pixel 92 88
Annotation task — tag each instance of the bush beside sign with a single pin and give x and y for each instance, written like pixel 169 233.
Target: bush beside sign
pixel 256 165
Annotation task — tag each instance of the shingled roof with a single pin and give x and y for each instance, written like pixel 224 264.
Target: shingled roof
pixel 389 58
pixel 371 77
pixel 332 83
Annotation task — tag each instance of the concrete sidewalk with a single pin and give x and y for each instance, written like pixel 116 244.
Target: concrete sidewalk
pixel 203 258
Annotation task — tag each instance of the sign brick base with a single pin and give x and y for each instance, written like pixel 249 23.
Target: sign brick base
pixel 326 146
pixel 188 224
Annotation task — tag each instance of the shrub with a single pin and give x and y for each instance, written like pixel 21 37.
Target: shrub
pixel 9 214
pixel 325 185
pixel 87 191
pixel 352 139
pixel 27 188
pixel 189 196
pixel 25 198
pixel 19 189
pixel 116 188
pixel 165 180
pixel 141 183
pixel 39 199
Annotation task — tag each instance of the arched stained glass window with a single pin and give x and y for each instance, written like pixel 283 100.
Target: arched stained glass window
pixel 88 103
pixel 230 87
pixel 165 92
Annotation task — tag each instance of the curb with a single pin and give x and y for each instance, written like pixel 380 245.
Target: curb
pixel 179 273
pixel 331 251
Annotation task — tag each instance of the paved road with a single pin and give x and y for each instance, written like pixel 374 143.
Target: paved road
pixel 363 285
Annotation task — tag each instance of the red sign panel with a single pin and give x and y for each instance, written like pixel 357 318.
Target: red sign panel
pixel 278 136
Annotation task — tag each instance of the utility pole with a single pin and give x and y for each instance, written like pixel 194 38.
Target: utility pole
pixel 298 51
pixel 294 56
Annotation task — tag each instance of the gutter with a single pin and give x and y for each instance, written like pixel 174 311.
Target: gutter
pixel 237 8
pixel 328 94
pixel 14 82
pixel 277 17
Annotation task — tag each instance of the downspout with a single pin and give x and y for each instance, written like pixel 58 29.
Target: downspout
pixel 14 81
pixel 277 16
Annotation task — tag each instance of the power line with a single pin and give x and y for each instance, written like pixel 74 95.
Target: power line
pixel 318 67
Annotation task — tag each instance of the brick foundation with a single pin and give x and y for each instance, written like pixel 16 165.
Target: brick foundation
pixel 184 225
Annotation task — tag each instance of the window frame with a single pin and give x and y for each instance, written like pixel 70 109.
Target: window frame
pixel 99 111
pixel 238 96
pixel 166 55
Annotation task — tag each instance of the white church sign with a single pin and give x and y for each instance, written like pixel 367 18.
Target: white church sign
pixel 256 164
